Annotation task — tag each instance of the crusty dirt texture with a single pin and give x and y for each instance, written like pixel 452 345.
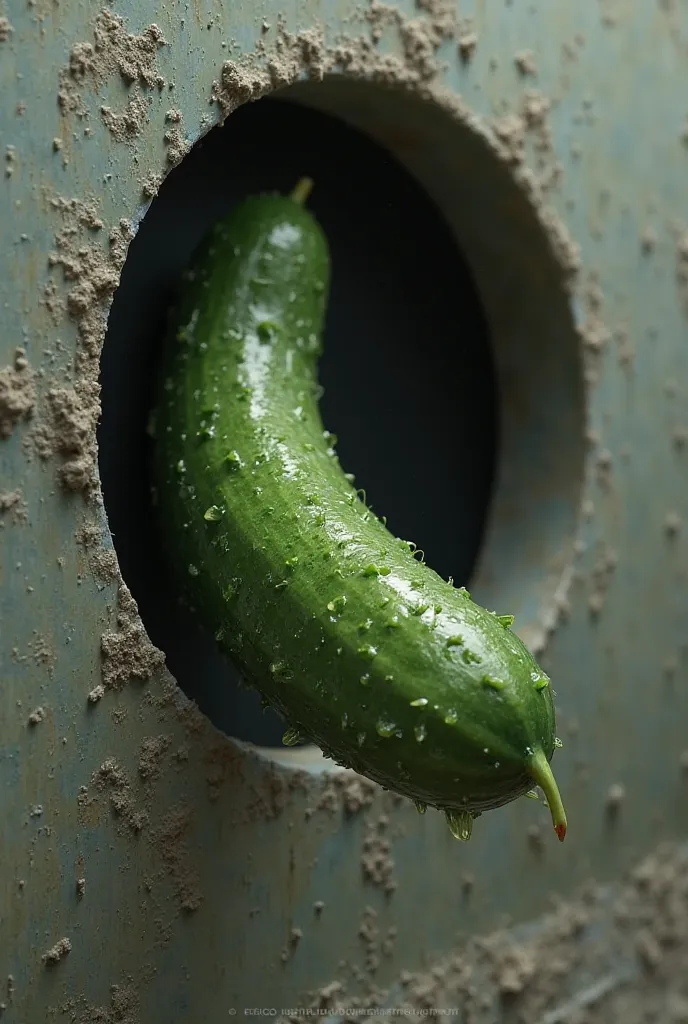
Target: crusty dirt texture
pixel 127 652
pixel 112 52
pixel 57 952
pixel 112 779
pixel 17 393
pixel 12 507
pixel 123 1008
pixel 69 414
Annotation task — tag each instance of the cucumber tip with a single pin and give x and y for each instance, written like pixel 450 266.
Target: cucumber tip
pixel 541 773
pixel 302 190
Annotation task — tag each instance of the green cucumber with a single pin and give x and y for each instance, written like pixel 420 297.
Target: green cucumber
pixel 358 644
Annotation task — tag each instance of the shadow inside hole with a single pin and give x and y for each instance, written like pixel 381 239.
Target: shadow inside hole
pixel 407 372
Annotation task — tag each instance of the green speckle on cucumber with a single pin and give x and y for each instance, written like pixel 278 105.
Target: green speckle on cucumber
pixel 343 629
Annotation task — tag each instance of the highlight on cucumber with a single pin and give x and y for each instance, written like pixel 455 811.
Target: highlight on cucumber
pixel 340 626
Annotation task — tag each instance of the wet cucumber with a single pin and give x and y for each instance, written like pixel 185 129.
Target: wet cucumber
pixel 359 645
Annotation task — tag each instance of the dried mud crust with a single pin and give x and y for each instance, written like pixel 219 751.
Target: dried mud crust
pixel 12 507
pixel 127 652
pixel 66 424
pixel 113 52
pixel 17 393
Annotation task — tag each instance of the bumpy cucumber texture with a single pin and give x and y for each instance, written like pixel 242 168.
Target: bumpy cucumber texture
pixel 358 644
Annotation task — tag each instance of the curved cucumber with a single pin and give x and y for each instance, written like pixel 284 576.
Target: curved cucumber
pixel 360 646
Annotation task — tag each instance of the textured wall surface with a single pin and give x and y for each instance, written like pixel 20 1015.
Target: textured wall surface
pixel 153 869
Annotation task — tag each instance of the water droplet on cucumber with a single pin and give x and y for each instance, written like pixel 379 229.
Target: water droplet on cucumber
pixel 460 824
pixel 233 460
pixel 291 737
pixel 493 683
pixel 375 570
pixel 214 514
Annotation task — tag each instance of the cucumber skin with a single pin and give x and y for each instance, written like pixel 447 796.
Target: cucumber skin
pixel 294 538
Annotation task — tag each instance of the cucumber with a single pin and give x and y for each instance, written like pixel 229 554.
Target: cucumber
pixel 344 630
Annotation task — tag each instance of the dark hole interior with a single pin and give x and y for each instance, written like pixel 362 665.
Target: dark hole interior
pixel 407 371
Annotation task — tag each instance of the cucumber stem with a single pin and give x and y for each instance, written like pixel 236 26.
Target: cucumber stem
pixel 544 777
pixel 302 190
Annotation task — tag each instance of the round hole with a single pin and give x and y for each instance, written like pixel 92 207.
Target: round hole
pixel 405 378
pixel 421 387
